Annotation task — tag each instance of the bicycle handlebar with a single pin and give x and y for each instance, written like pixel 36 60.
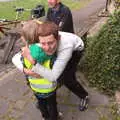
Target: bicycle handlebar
pixel 4 20
pixel 8 22
pixel 21 9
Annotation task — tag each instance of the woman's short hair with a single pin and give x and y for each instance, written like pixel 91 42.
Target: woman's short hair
pixel 48 28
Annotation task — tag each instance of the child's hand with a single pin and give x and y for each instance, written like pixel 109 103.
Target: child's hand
pixel 31 73
pixel 26 54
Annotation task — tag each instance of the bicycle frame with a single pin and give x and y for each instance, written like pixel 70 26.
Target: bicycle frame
pixel 10 36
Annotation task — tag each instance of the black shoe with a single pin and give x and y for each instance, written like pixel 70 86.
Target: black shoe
pixel 60 116
pixel 84 103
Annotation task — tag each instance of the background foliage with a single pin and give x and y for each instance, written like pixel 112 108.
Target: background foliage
pixel 102 57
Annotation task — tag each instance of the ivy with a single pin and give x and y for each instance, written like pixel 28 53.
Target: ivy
pixel 102 56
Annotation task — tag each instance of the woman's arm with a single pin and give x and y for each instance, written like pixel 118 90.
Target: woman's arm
pixel 17 61
pixel 58 67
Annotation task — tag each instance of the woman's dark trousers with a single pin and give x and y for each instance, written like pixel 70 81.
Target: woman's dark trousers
pixel 68 77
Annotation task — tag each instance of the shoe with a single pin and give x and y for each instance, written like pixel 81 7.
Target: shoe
pixel 60 116
pixel 84 103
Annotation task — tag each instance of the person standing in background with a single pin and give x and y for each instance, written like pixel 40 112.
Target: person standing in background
pixel 61 15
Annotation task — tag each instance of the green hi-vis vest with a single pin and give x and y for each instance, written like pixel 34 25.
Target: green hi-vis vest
pixel 40 85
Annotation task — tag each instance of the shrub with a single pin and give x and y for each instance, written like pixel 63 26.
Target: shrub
pixel 102 56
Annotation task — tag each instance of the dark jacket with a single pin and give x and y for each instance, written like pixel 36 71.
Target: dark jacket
pixel 62 17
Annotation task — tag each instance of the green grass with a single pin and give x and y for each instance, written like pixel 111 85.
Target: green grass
pixel 8 12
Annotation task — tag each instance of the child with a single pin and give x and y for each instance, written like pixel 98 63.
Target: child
pixel 45 90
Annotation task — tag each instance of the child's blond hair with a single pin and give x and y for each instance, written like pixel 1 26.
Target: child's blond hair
pixel 29 31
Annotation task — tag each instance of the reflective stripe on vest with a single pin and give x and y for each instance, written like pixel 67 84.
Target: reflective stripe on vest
pixel 40 85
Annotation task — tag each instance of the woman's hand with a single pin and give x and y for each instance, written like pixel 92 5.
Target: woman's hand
pixel 31 73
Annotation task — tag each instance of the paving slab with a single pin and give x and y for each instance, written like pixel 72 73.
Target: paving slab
pixel 17 101
pixel 87 16
pixel 68 103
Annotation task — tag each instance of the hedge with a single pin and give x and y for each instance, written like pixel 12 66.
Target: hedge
pixel 102 56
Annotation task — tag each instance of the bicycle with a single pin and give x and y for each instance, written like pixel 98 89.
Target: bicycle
pixel 10 36
pixel 36 13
